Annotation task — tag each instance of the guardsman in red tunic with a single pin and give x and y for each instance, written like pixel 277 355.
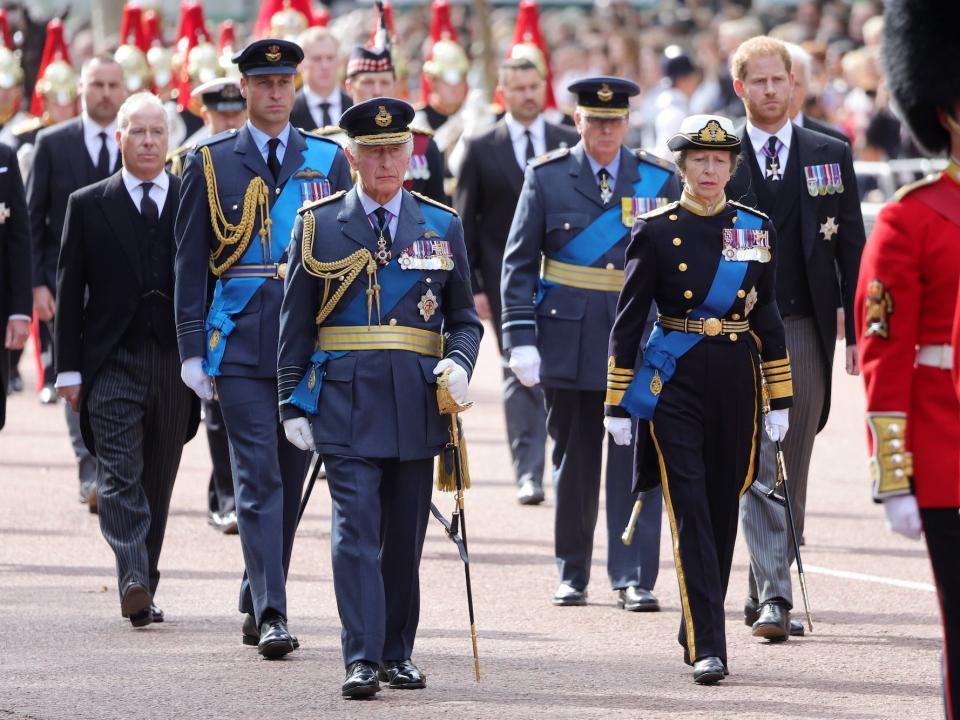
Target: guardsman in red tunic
pixel 906 292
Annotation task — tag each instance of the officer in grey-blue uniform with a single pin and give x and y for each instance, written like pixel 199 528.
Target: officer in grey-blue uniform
pixel 240 195
pixel 378 304
pixel 562 273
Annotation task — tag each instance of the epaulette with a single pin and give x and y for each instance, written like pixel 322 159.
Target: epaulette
pixel 660 210
pixel 322 201
pixel 749 209
pixel 549 156
pixel 325 130
pixel 421 131
pixel 28 125
pixel 435 203
pixel 922 182
pixel 219 137
pixel 651 159
pixel 182 150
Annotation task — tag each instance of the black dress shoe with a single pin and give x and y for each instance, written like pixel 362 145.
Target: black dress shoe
pixel 361 681
pixel 774 621
pixel 251 633
pixel 530 493
pixel 751 611
pixel 156 614
pixel 569 596
pixel 796 628
pixel 708 671
pixel 637 599
pixel 275 639
pixel 136 604
pixel 402 675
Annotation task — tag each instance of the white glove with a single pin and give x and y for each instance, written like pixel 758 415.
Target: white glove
pixel 525 364
pixel 620 429
pixel 457 383
pixel 903 516
pixel 776 423
pixel 193 376
pixel 299 434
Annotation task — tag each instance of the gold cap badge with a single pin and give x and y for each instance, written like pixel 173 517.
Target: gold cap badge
pixel 273 53
pixel 712 133
pixel 605 94
pixel 383 118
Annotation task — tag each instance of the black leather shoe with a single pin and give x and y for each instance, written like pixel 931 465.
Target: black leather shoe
pixel 569 596
pixel 275 639
pixel 361 681
pixel 637 599
pixel 774 621
pixel 251 633
pixel 156 614
pixel 136 604
pixel 708 671
pixel 751 611
pixel 797 629
pixel 530 492
pixel 402 675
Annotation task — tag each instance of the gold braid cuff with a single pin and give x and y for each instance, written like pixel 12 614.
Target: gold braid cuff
pixel 618 380
pixel 778 378
pixel 257 198
pixel 891 466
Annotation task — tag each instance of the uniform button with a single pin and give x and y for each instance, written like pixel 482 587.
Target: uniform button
pixel 733 220
pixel 277 191
pixel 393 321
pixel 553 311
pixel 688 294
pixel 741 294
pixel 733 337
pixel 676 242
pixel 735 316
pixel 688 311
pixel 234 207
pixel 429 280
pixel 672 216
pixel 682 267
pixel 566 226
pixel 610 266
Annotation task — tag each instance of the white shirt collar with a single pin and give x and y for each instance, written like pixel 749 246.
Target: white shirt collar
pixel 161 181
pixel 261 138
pixel 759 137
pixel 92 129
pixel 313 99
pixel 798 120
pixel 538 128
pixel 392 205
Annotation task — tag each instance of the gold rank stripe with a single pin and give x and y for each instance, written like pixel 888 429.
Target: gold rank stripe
pixel 621 372
pixel 380 337
pixel 774 364
pixel 777 390
pixel 779 375
pixel 614 397
pixel 578 276
pixel 618 384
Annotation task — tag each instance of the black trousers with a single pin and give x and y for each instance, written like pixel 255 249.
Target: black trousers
pixel 941 527
pixel 139 413
pixel 705 431
pixel 220 491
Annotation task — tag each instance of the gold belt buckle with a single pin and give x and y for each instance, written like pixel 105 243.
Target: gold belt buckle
pixel 712 327
pixel 281 271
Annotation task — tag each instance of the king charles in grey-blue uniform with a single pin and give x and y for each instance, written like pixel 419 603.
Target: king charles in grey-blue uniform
pixel 378 302
pixel 230 264
pixel 562 272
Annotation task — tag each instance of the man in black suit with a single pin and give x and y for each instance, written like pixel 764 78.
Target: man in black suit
pixel 117 359
pixel 320 102
pixel 15 300
pixel 69 156
pixel 487 193
pixel 805 181
pixel 802 65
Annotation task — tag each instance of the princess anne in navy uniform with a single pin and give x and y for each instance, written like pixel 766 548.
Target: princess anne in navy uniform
pixel 707 262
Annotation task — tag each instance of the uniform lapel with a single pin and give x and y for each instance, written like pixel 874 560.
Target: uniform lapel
pixel 80 162
pixel 584 182
pixel 292 156
pixel 409 224
pixel 354 223
pixel 251 157
pixel 116 204
pixel 503 145
pixel 627 174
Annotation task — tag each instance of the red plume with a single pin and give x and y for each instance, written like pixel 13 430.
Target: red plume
pixel 5 29
pixel 152 28
pixel 321 17
pixel 228 36
pixel 55 48
pixel 132 23
pixel 193 28
pixel 269 7
pixel 441 28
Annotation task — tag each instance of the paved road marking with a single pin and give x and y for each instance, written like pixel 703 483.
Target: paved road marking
pixel 846 574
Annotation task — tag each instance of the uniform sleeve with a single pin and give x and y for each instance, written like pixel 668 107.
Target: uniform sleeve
pixel 521 265
pixel 633 305
pixel 955 343
pixel 462 328
pixel 38 202
pixel 71 284
pixel 887 314
pixel 468 201
pixel 340 178
pixel 19 300
pixel 191 270
pixel 298 329
pixel 850 241
pixel 767 325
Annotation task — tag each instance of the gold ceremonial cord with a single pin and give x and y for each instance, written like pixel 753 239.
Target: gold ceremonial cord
pixel 256 198
pixel 346 270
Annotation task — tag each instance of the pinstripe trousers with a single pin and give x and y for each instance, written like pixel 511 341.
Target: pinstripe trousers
pixel 764 519
pixel 139 413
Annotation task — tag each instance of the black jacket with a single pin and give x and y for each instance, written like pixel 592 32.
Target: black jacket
pixel 301 117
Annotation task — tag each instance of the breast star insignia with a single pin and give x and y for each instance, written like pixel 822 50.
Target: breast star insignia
pixel 829 228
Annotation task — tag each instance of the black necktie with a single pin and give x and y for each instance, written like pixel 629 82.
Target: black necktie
pixel 530 154
pixel 773 170
pixel 384 241
pixel 103 160
pixel 272 161
pixel 148 208
pixel 325 113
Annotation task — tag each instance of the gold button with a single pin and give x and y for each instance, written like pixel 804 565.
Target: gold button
pixel 393 321
pixel 735 316
pixel 733 337
pixel 277 191
pixel 566 226
pixel 741 294
pixel 676 242
pixel 682 267
pixel 553 311
pixel 610 266
pixel 688 294
pixel 734 219
pixel 672 216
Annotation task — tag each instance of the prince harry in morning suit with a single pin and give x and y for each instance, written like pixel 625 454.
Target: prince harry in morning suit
pixel 804 181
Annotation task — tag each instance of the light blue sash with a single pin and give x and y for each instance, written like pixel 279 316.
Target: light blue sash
pixel 663 350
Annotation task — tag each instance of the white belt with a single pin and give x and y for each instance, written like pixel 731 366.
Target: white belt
pixel 938 356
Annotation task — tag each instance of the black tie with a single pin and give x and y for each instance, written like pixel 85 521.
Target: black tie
pixel 384 241
pixel 103 160
pixel 272 161
pixel 148 208
pixel 530 154
pixel 325 113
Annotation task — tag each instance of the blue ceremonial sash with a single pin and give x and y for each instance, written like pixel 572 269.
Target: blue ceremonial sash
pixel 606 230
pixel 232 295
pixel 395 283
pixel 663 350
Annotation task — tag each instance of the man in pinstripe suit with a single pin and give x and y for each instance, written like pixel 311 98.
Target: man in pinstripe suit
pixel 116 355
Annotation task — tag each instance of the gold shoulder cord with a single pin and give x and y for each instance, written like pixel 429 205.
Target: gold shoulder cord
pixel 346 270
pixel 256 198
